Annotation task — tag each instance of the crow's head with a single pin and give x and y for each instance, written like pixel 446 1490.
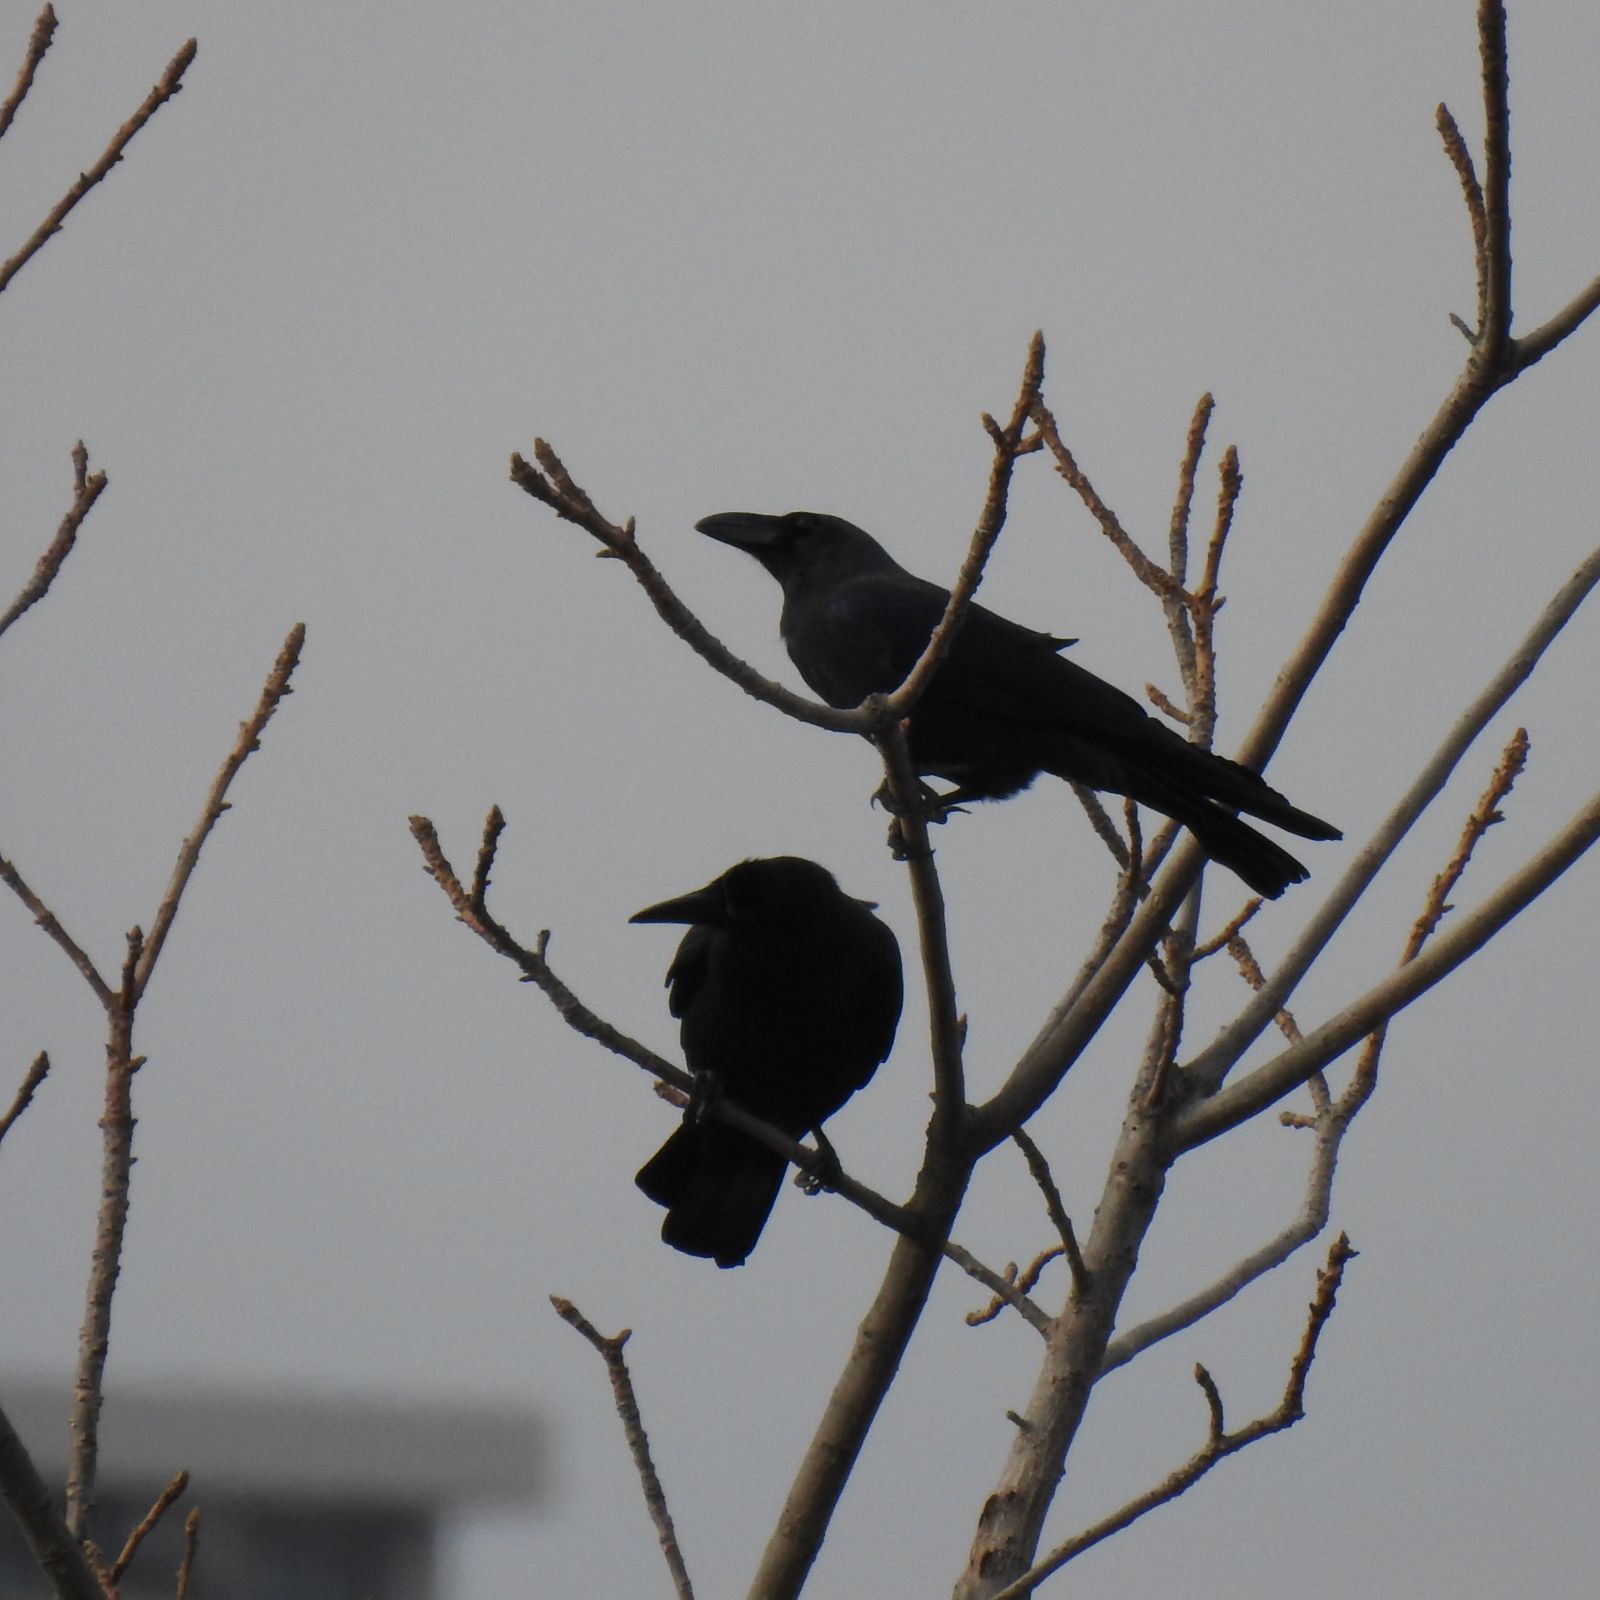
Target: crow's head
pixel 774 893
pixel 801 547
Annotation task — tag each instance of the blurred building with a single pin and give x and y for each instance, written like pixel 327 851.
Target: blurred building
pixel 301 1497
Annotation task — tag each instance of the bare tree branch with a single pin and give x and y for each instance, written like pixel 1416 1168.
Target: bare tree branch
pixel 1483 817
pixel 164 1502
pixel 1075 1020
pixel 472 911
pixel 1211 1065
pixel 273 692
pixel 1009 1288
pixel 86 490
pixel 36 1075
pixel 1219 1443
pixel 875 1356
pixel 117 1122
pixel 1021 1284
pixel 1155 578
pixel 1039 1168
pixel 655 1497
pixel 43 32
pixel 1178 538
pixel 1493 362
pixel 59 1556
pixel 46 919
pixel 1008 445
pixel 1494 327
pixel 1291 1067
pixel 191 1548
pixel 1472 192
pixel 944 1023
pixel 1330 1128
pixel 170 83
pixel 555 487
pixel 1535 346
pixel 1204 604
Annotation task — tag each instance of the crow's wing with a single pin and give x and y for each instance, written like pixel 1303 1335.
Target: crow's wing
pixel 867 633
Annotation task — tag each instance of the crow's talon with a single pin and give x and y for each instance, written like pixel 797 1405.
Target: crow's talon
pixel 703 1095
pixel 826 1171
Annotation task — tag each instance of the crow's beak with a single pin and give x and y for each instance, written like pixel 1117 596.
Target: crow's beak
pixel 703 906
pixel 754 531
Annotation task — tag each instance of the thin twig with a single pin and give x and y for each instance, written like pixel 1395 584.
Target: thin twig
pixel 1015 1288
pixel 1482 817
pixel 472 911
pixel 39 42
pixel 1205 603
pixel 1221 941
pixel 627 1404
pixel 168 85
pixel 1250 969
pixel 85 491
pixel 36 1075
pixel 945 1029
pixel 191 1548
pixel 1164 703
pixel 164 1502
pixel 1219 1443
pixel 273 692
pixel 1178 537
pixel 1008 445
pixel 1455 147
pixel 1479 821
pixel 1153 576
pixel 1100 820
pixel 1040 1170
pixel 1535 346
pixel 551 484
pixel 1010 1289
pixel 47 920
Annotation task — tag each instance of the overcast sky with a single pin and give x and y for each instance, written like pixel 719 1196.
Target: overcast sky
pixel 732 257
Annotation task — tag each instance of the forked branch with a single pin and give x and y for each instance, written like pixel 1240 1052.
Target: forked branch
pixel 1220 1443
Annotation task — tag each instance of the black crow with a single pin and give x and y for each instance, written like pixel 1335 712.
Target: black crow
pixel 1004 705
pixel 789 994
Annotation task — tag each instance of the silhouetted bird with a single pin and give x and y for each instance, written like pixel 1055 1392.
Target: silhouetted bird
pixel 789 992
pixel 1004 706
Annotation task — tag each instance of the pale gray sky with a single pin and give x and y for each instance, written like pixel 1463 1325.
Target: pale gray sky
pixel 730 256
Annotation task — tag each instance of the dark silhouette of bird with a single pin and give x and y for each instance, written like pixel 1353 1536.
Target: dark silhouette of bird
pixel 789 994
pixel 1004 705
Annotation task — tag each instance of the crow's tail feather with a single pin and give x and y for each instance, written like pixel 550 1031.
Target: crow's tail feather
pixel 1240 789
pixel 1261 862
pixel 719 1187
